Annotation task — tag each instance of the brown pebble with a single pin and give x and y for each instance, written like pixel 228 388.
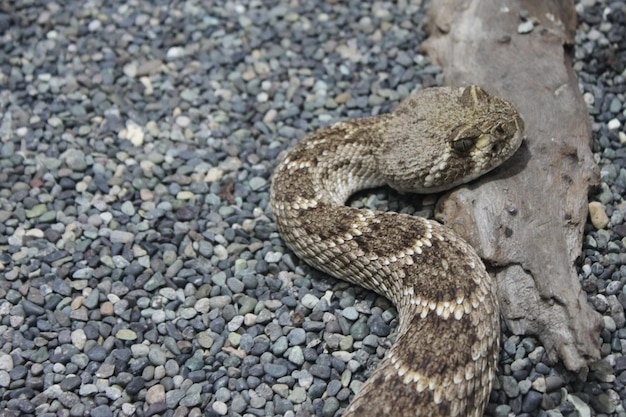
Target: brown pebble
pixel 106 309
pixel 598 216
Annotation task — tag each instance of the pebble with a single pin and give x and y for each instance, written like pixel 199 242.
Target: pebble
pixel 614 124
pixel 310 301
pixel 582 408
pixel 525 27
pixel 350 313
pixel 126 334
pixel 296 337
pixel 275 370
pixel 120 236
pixel 531 401
pixel 330 407
pixel 597 214
pixel 6 362
pixel 155 394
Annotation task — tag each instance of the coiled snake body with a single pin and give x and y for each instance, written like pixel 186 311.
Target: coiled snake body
pixel 444 359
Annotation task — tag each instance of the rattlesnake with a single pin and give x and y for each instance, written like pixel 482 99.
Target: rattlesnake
pixel 444 359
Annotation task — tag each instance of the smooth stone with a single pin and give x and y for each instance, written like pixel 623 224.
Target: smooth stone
pixel 296 355
pixel 126 334
pixel 330 407
pixel 509 385
pixel 102 411
pixel 525 27
pixel 350 313
pixel 155 394
pixel 310 301
pixel 296 337
pixel 120 236
pixel 220 408
pixel 598 216
pixel 6 362
pixel 275 370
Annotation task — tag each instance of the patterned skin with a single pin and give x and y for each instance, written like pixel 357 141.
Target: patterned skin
pixel 444 360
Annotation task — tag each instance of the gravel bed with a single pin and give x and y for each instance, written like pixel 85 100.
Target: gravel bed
pixel 141 273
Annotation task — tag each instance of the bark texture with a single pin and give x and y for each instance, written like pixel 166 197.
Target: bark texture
pixel 526 219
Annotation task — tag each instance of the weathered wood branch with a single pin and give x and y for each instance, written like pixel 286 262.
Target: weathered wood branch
pixel 526 219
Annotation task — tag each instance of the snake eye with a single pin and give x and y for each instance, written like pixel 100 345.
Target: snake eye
pixel 463 138
pixel 463 145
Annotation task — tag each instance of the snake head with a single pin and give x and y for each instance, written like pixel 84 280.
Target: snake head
pixel 443 137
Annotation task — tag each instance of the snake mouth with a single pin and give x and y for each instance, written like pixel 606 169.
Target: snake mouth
pixel 518 135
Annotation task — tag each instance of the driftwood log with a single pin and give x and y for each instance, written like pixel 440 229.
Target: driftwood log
pixel 526 219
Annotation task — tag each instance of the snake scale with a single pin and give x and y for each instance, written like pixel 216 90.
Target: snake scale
pixel 444 359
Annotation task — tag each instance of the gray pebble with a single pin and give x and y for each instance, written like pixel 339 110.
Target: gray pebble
pixel 275 370
pixel 120 236
pixel 331 405
pixel 235 285
pixel 503 410
pixel 320 371
pixel 350 313
pixel 296 337
pixel 280 346
pixel 509 385
pixel 5 379
pixel 157 356
pixel 296 355
pixel 31 309
pixel 531 401
pixel 359 330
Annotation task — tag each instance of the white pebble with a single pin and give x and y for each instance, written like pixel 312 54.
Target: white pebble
pixel 128 409
pixel 273 257
pixel 79 338
pixel 525 27
pixel 175 52
pixel 6 362
pixel 310 301
pixel 614 124
pixel 220 408
pixel 134 134
pixel 202 305
pixel 147 84
pixel 582 408
pixel 183 121
pixel 94 25
pixel 250 319
pixel 130 69
pixel 158 316
pixel 235 323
